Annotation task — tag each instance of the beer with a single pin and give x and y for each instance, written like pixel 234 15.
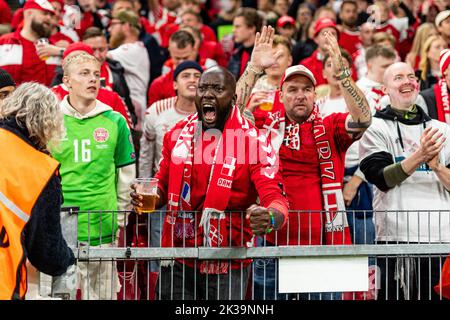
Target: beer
pixel 148 203
pixel 266 106
pixel 147 188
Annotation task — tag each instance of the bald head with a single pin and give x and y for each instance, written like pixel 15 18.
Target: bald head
pixel 396 68
pixel 223 72
pixel 401 85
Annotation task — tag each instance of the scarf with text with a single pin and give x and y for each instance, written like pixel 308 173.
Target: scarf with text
pixel 442 102
pixel 212 224
pixel 336 225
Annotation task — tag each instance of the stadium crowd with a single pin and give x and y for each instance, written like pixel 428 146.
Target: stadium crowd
pixel 345 104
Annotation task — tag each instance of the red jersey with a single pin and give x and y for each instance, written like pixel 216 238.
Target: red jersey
pixel 109 98
pixel 248 183
pixel 19 58
pixel 161 88
pixel 349 40
pixel 213 50
pixel 315 65
pixel 207 33
pixel 301 176
pixel 59 36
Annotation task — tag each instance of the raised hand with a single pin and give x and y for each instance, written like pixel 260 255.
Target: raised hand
pixel 262 57
pixel 332 47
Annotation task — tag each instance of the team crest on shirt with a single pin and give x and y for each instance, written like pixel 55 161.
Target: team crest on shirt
pixel 101 135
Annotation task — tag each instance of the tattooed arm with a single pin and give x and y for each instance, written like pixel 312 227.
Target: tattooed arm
pixel 260 60
pixel 360 115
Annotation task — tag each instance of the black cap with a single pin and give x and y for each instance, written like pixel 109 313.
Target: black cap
pixel 5 79
pixel 188 64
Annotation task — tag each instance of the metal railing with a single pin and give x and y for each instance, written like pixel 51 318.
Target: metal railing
pixel 404 257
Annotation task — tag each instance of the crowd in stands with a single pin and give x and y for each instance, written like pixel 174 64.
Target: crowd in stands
pixel 353 95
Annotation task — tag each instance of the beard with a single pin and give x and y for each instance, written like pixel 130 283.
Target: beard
pixel 116 40
pixel 42 30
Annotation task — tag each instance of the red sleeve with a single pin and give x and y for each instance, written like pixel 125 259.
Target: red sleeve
pixel 337 125
pixel 208 34
pixel 268 181
pixel 164 165
pixel 119 106
pixel 155 90
pixel 219 55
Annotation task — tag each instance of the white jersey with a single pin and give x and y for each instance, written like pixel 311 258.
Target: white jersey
pixel 420 191
pixel 160 117
pixel 136 62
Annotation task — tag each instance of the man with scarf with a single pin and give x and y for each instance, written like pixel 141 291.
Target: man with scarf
pixel 312 152
pixel 436 97
pixel 405 155
pixel 214 165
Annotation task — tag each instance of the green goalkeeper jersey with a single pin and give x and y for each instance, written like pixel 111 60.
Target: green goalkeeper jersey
pixel 90 156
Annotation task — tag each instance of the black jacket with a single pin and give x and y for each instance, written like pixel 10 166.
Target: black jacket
pixel 429 81
pixel 45 246
pixel 430 99
pixel 234 64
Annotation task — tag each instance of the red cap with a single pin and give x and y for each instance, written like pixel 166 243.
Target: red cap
pixel 298 70
pixel 61 2
pixel 284 20
pixel 324 23
pixel 43 5
pixel 77 46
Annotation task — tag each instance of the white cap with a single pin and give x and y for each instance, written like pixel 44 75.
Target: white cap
pixel 441 17
pixel 298 69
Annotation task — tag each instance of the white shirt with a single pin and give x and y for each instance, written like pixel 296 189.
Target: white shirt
pixel 136 62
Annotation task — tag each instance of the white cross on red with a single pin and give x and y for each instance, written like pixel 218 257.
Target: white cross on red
pixel 229 163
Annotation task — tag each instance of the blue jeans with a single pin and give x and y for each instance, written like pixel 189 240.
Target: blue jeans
pixel 265 283
pixel 156 222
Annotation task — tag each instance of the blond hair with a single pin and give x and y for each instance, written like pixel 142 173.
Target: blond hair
pixel 36 108
pixel 423 64
pixel 75 59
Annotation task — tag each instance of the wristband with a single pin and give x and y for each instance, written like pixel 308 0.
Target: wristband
pixel 258 73
pixel 272 222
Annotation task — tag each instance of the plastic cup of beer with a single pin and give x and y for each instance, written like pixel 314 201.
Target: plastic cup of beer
pixel 148 189
pixel 267 102
pixel 42 42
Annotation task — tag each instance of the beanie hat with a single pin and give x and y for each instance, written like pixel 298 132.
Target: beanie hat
pixel 444 60
pixel 188 64
pixel 77 46
pixel 5 79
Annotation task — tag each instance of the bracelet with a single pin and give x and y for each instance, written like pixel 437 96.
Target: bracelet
pixel 272 222
pixel 258 73
pixel 61 52
pixel 345 74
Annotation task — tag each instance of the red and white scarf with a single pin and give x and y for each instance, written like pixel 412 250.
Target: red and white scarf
pixel 336 225
pixel 442 102
pixel 213 223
